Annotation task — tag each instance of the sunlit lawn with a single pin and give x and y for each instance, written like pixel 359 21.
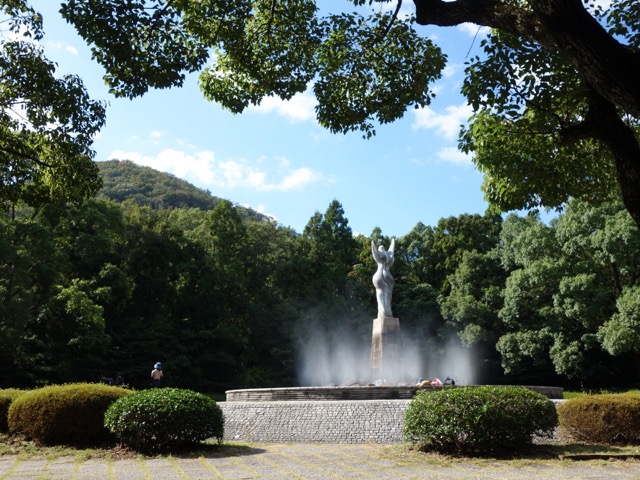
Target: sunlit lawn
pixel 568 394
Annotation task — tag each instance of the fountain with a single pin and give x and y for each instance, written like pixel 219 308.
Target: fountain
pixel 372 412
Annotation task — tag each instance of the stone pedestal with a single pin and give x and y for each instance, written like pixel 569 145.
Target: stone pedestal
pixel 386 351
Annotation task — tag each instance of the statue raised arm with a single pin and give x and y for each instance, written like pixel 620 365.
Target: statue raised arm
pixel 382 279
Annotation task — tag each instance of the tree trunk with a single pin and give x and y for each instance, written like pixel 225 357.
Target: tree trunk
pixel 622 141
pixel 611 68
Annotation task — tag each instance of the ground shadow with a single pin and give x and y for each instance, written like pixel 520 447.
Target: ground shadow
pixel 216 450
pixel 564 451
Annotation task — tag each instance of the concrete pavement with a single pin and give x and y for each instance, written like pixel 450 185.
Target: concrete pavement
pixel 308 462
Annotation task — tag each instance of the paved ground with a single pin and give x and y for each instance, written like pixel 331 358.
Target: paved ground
pixel 309 462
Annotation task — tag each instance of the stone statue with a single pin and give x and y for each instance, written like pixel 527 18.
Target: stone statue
pixel 382 279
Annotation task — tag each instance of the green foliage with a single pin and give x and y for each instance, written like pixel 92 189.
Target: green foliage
pixel 364 67
pixel 621 333
pixel 329 251
pixel 63 414
pixel 517 143
pixel 623 19
pixel 366 72
pixel 159 33
pixel 325 284
pixel 247 67
pixel 570 292
pixel 164 418
pixel 478 419
pixel 7 396
pixel 525 240
pixel 30 264
pixel 431 254
pixel 47 124
pixel 88 333
pixel 602 419
pixel 475 298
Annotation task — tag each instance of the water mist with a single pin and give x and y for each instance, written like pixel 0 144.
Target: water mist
pixel 342 357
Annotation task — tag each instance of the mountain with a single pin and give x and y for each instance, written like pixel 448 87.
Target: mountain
pixel 124 180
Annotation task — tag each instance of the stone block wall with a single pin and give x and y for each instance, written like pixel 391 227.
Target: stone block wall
pixel 363 421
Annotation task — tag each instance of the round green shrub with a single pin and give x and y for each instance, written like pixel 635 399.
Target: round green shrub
pixel 7 396
pixel 63 414
pixel 478 419
pixel 607 418
pixel 164 418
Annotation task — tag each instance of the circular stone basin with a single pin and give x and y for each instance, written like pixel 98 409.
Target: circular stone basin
pixel 385 392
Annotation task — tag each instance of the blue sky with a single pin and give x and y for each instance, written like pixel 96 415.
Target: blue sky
pixel 276 159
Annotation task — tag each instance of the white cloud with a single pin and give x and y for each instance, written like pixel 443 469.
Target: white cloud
pixel 297 179
pixel 447 124
pixel 59 45
pixel 203 169
pixel 451 70
pixel 300 108
pixel 232 174
pixel 455 156
pixel 445 155
pixel 155 134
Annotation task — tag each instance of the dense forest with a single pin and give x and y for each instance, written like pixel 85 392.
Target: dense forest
pixel 155 269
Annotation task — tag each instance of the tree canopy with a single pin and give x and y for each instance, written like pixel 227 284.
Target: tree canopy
pixel 47 124
pixel 555 93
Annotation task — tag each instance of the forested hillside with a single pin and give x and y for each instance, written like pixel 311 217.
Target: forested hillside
pixel 124 180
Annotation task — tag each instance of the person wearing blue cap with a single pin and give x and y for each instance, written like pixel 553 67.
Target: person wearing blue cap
pixel 156 375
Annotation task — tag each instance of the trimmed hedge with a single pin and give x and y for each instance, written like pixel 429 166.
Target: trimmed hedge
pixel 606 418
pixel 64 414
pixel 164 418
pixel 7 396
pixel 478 419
